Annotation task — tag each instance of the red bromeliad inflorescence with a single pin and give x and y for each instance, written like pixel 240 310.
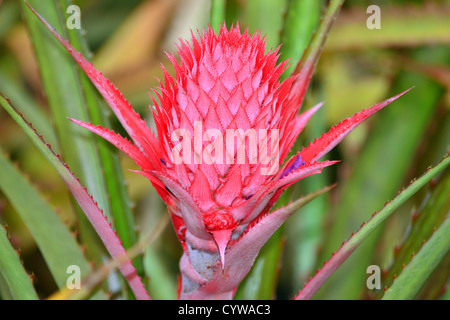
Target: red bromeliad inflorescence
pixel 225 125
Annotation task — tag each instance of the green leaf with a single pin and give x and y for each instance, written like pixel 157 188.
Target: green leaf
pixel 367 228
pixel 425 220
pixel 217 14
pixel 265 16
pixel 30 108
pixel 312 53
pixel 162 284
pixel 43 223
pixel 302 18
pixel 416 273
pixel 11 269
pixel 119 201
pixel 437 284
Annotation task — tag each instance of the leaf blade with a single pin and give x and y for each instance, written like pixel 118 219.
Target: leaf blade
pixel 119 201
pixel 65 98
pixel 86 202
pixel 43 224
pixel 415 274
pixel 18 281
pixel 366 229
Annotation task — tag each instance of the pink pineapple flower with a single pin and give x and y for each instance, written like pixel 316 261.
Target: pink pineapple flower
pixel 219 196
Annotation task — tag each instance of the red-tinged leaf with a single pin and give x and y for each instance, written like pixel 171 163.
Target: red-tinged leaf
pixel 329 140
pixel 119 142
pixel 302 172
pixel 86 202
pixel 131 121
pixel 301 83
pixel 366 228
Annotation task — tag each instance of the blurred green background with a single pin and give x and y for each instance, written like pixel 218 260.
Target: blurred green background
pixel 358 68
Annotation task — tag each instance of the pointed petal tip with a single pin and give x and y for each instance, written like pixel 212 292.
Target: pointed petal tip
pixel 319 105
pixel 79 122
pixel 407 90
pixel 311 111
pixel 400 94
pixel 222 237
pixel 83 124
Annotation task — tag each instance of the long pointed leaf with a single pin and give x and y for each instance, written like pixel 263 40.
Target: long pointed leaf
pixel 357 238
pixel 424 221
pixel 302 18
pixel 329 140
pixel 86 202
pixel 65 97
pixel 30 108
pixel 131 121
pixel 43 223
pixel 11 269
